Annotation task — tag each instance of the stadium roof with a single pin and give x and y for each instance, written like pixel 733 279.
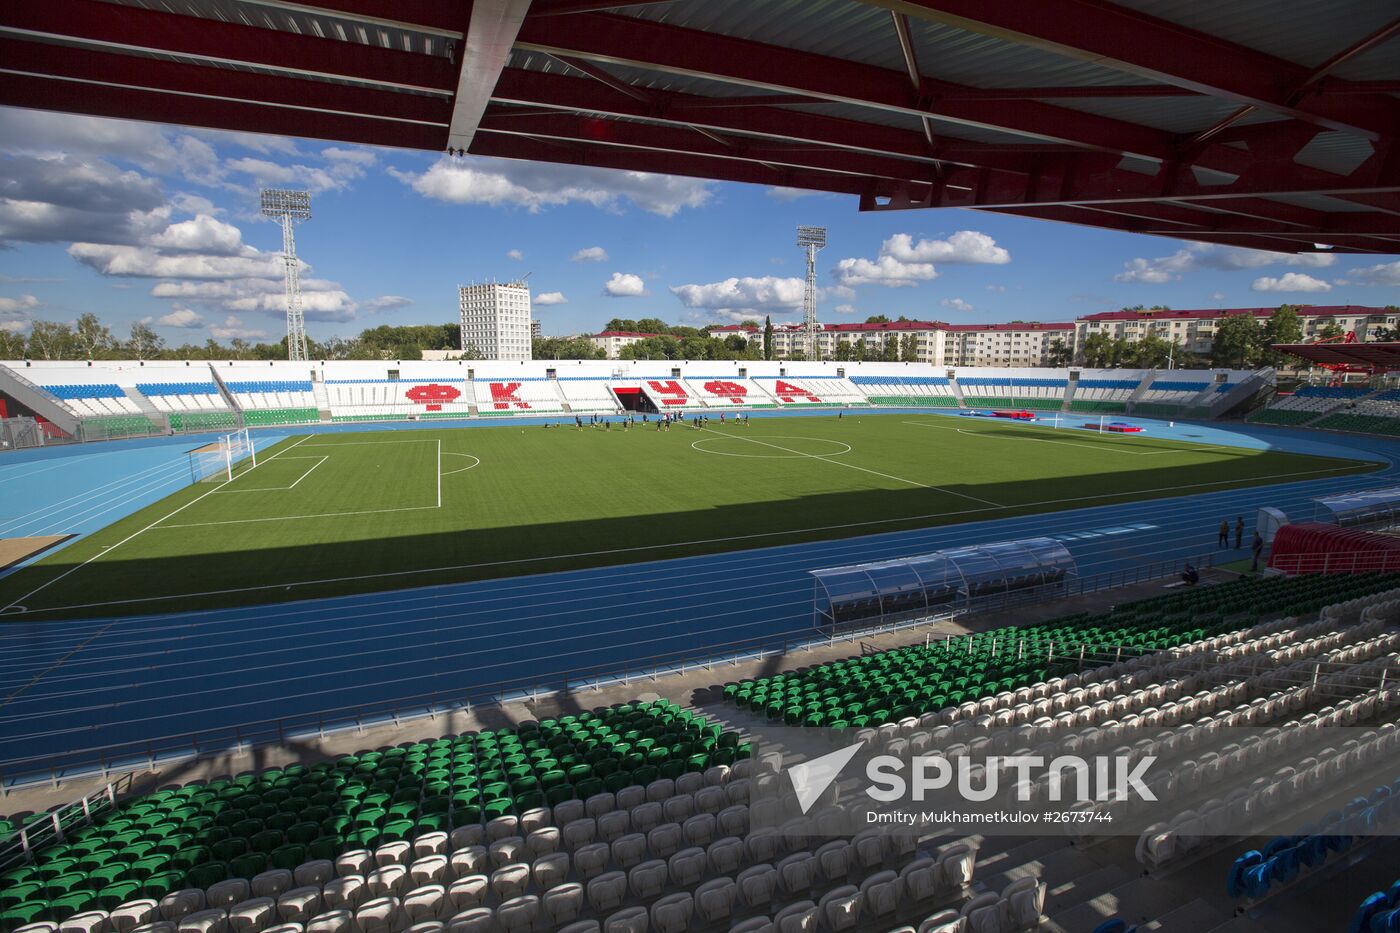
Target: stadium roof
pixel 1370 357
pixel 1251 123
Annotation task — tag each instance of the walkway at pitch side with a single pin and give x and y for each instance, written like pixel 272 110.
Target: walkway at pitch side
pixel 73 686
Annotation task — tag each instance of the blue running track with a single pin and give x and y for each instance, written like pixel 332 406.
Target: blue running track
pixel 70 687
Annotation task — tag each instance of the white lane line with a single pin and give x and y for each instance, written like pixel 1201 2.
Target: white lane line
pixel 852 466
pixel 439 471
pixel 105 551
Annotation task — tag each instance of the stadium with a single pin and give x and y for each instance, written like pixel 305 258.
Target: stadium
pixel 476 642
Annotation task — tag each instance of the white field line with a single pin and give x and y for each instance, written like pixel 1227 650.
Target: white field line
pixel 319 461
pixel 1107 445
pixel 105 551
pixel 416 440
pixel 476 463
pixel 852 466
pixel 1271 480
pixel 288 518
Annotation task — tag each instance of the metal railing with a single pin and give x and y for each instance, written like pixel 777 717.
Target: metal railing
pixel 1340 562
pixel 147 753
pixel 44 829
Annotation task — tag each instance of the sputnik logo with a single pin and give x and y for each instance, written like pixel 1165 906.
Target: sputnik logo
pixel 811 778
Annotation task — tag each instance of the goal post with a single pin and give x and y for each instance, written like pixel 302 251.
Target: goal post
pixel 216 462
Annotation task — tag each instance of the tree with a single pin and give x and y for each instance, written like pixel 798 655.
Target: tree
pixel 768 337
pixel 910 353
pixel 52 341
pixel 1330 330
pixel 1282 326
pixel 92 338
pixel 1236 343
pixel 565 348
pixel 861 352
pixel 1098 350
pixel 877 319
pixel 1150 351
pixel 11 345
pixel 1060 354
pixel 842 353
pixel 145 343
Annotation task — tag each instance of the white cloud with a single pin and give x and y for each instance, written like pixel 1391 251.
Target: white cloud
pixel 539 185
pixel 180 317
pixel 590 254
pixel 145 262
pixel 23 302
pixel 964 246
pixel 845 309
pixel 203 234
pixel 1290 282
pixel 1217 296
pixel 769 293
pixel 551 298
pixel 781 193
pixel 358 156
pixel 904 263
pixel 1196 256
pixel 386 303
pixel 515 254
pixel 886 270
pixel 625 285
pixel 337 174
pixel 233 328
pixel 998 289
pixel 956 304
pixel 1387 273
pixel 13 326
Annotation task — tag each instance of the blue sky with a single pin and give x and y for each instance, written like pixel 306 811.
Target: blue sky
pixel 143 222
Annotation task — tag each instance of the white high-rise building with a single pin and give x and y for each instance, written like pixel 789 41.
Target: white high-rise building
pixel 496 319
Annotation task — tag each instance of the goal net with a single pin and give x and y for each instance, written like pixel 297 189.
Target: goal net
pixel 220 461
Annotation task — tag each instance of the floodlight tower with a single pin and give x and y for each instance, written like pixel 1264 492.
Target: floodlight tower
pixel 811 239
pixel 288 208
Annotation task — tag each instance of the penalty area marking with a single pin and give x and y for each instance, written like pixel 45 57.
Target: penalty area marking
pixel 475 462
pixel 319 461
pixel 824 459
pixel 1108 445
pixel 792 456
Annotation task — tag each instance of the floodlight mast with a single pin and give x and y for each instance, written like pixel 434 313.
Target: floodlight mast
pixel 811 239
pixel 288 208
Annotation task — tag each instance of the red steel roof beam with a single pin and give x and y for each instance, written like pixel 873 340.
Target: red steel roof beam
pixel 159 107
pixel 1123 39
pixel 115 70
pixel 119 28
pixel 672 49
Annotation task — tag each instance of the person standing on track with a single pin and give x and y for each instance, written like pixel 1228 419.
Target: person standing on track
pixel 1239 532
pixel 1224 539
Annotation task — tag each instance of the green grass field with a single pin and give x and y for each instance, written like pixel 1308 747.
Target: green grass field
pixel 342 513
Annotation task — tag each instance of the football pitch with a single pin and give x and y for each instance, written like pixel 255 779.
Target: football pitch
pixel 334 514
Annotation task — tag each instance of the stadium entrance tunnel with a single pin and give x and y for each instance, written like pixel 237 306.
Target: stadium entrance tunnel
pixel 891 591
pixel 632 398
